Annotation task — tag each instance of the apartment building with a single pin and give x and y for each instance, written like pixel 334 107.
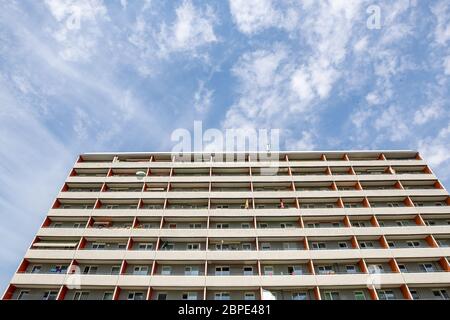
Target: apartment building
pixel 359 225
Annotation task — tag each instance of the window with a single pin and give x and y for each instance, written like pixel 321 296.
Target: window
pixel 221 296
pixel 265 246
pixel 50 295
pixel 393 205
pixel 245 225
pixel 441 294
pixel 81 295
pixel 246 246
pixel 268 270
pixel 145 246
pixel 79 225
pixel 358 224
pixel 413 244
pixel 191 271
pixel 23 295
pixel 351 205
pixel 167 246
pixel 336 224
pixel 289 246
pixel 318 245
pixel 58 269
pixel 36 269
pixel 193 246
pixel 366 245
pixel 359 295
pixel 286 225
pixel 222 271
pixel 375 268
pixel 326 270
pixel 403 268
pixel 115 269
pixel 386 295
pixel 342 245
pixel 172 225
pixel 331 295
pixel 248 271
pixel 313 225
pixel 195 225
pixel 414 294
pixel 90 270
pixel 140 270
pixel 222 225
pixel 57 225
pixel 295 270
pixel 189 296
pixel 166 270
pixel 391 244
pixel 350 269
pixel 98 246
pixel 430 223
pixel 136 296
pixel 161 296
pixel 299 296
pixel 108 295
pixel 263 225
pixel 427 267
pixel 249 296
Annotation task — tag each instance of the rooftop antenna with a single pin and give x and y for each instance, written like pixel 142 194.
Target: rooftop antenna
pixel 268 148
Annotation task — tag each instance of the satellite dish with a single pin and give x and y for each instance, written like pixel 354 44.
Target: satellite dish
pixel 140 174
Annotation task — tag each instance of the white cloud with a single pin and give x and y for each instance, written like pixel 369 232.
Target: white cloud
pixel 428 113
pixel 252 16
pixel 441 11
pixel 77 32
pixel 202 98
pixel 435 150
pixel 192 28
pixel 391 124
pixel 447 65
pixel 304 143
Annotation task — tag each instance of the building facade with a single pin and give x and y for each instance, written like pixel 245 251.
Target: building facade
pixel 296 226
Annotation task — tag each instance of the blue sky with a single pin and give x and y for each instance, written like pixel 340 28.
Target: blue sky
pixel 117 75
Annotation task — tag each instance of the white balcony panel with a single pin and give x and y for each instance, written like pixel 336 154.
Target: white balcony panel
pixel 288 281
pixel 181 255
pixel 177 281
pixel 187 195
pixel 120 195
pixel 39 254
pixel 359 279
pixel 38 279
pixel 79 195
pixel 284 255
pixel 107 232
pixel 78 179
pixel 233 281
pixel 100 254
pixel 427 278
pixel 184 233
pixel 75 280
pixel 232 255
pixel 61 232
pixel 133 280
